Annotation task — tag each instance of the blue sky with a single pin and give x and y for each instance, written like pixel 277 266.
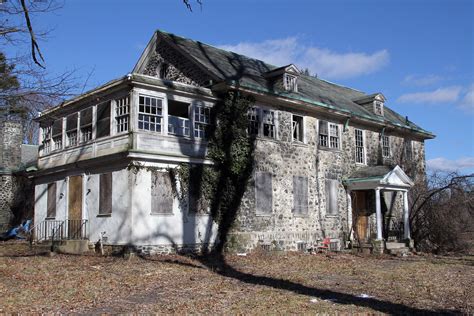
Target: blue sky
pixel 419 54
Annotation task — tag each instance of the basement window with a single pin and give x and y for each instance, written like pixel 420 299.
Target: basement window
pixel 298 128
pixel 178 118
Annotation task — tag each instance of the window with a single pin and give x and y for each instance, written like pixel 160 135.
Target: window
pixel 85 123
pixel 150 113
pixel 105 194
pixel 329 135
pixel 386 153
pixel 161 193
pixel 202 119
pixel 103 119
pixel 269 129
pixel 290 83
pixel 378 108
pixel 71 130
pixel 300 195
pixel 58 134
pixel 47 134
pixel 122 110
pixel 254 121
pixel 51 201
pixel 331 197
pixel 263 193
pixel 298 131
pixel 178 118
pixel 359 146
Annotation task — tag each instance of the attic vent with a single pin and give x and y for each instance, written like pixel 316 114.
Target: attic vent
pixel 290 82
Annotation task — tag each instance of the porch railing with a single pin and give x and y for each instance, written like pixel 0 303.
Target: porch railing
pixel 53 230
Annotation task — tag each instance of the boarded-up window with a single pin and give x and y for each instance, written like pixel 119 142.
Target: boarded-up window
pixel 331 197
pixel 263 192
pixel 51 201
pixel 161 193
pixel 103 119
pixel 300 195
pixel 105 194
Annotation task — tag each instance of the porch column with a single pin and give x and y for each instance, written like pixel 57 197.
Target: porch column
pixel 406 216
pixel 378 214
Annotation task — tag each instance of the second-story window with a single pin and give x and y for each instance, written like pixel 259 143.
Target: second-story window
pixel 269 129
pixel 103 119
pixel 178 118
pixel 122 112
pixel 47 134
pixel 85 122
pixel 58 134
pixel 359 146
pixel 386 152
pixel 290 83
pixel 298 128
pixel 202 120
pixel 378 108
pixel 329 135
pixel 71 130
pixel 150 113
pixel 254 120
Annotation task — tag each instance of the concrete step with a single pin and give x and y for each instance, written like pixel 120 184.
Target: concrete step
pixel 395 245
pixel 399 251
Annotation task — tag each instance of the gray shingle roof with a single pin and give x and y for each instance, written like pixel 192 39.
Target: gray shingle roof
pixel 250 73
pixel 370 172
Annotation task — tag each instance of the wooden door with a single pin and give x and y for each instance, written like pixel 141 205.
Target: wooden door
pixel 361 215
pixel 75 207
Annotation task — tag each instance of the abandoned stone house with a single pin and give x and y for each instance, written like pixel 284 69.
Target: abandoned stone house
pixel 330 161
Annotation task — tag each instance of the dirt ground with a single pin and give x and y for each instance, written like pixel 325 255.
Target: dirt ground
pixel 276 283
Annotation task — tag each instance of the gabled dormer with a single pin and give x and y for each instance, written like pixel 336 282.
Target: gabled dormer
pixel 373 103
pixel 288 75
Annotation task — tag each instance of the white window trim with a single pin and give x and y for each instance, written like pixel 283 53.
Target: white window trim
pixel 340 126
pixel 389 147
pixel 303 122
pixel 364 147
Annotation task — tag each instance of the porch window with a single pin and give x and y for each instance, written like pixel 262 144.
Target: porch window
pixel 300 195
pixel 263 193
pixel 202 120
pixel 178 118
pixel 150 113
pixel 122 114
pixel 331 197
pixel 298 128
pixel 254 121
pixel 85 122
pixel 105 194
pixel 269 129
pixel 161 193
pixel 329 135
pixel 359 146
pixel 71 130
pixel 58 134
pixel 386 153
pixel 47 134
pixel 51 201
pixel 103 119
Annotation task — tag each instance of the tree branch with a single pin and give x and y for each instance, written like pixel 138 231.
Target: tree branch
pixel 34 44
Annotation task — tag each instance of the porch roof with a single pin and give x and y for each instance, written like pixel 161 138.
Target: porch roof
pixel 382 177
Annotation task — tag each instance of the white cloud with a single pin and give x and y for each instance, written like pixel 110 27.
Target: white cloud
pixel 467 102
pixel 321 61
pixel 422 80
pixel 441 95
pixel 443 164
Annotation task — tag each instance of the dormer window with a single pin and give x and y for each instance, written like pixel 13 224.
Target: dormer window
pixel 290 82
pixel 378 108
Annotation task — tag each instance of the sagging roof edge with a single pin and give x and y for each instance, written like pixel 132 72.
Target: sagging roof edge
pixel 139 78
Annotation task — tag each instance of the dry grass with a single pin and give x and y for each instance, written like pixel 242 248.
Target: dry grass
pixel 256 284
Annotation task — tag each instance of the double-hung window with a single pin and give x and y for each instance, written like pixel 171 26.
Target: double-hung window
pixel 85 122
pixel 103 119
pixel 71 130
pixel 202 120
pixel 359 146
pixel 150 113
pixel 329 135
pixel 386 153
pixel 269 129
pixel 254 120
pixel 47 132
pixel 122 114
pixel 58 134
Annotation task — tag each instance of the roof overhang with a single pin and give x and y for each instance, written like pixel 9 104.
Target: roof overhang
pixel 396 179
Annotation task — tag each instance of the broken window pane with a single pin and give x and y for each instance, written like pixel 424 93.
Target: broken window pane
pixel 298 128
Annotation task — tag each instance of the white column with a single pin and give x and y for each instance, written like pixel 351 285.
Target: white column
pixel 406 216
pixel 378 214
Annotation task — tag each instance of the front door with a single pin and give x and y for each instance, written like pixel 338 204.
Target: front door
pixel 360 216
pixel 74 223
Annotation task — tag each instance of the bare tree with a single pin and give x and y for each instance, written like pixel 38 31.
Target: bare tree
pixel 443 212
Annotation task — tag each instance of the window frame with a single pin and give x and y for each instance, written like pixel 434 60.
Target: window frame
pixel 201 127
pixel 378 108
pixel 386 147
pixel 357 145
pixel 290 82
pixel 158 118
pixel 103 120
pixel 85 128
pixel 330 136
pixel 72 136
pixel 122 114
pixel 301 137
pixel 109 197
